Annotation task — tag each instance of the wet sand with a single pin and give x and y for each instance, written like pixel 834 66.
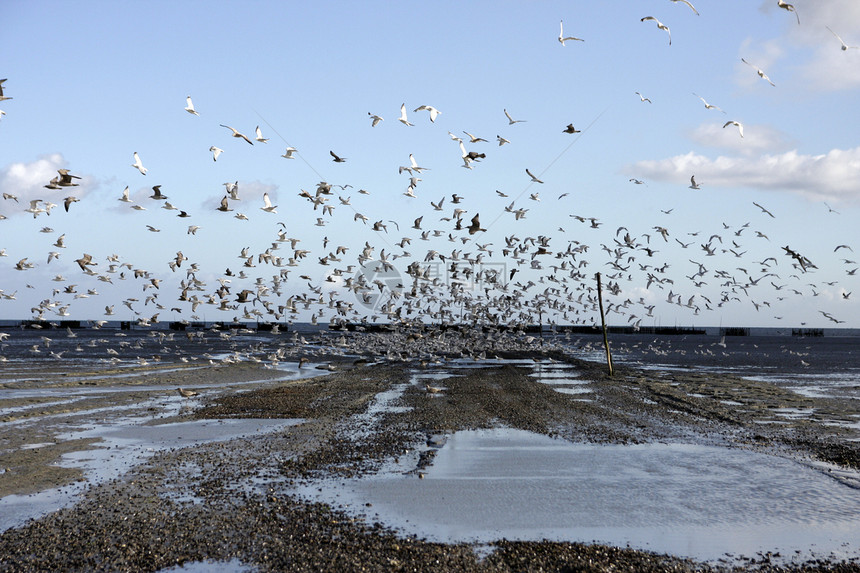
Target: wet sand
pixel 230 502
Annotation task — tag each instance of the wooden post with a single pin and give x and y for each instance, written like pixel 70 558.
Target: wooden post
pixel 603 324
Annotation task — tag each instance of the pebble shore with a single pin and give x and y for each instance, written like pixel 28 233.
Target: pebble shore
pixel 230 502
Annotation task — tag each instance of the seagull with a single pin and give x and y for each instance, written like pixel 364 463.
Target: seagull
pixel 501 140
pixel 189 106
pixel 738 124
pixel 337 158
pixel 688 4
pixel 534 179
pixel 125 198
pixel 759 71
pixel 402 119
pixel 474 139
pixel 68 201
pixel 693 184
pixel 561 38
pixel 60 243
pixel 268 208
pixel 288 154
pixel 216 151
pixel 434 113
pixel 374 119
pixel 830 209
pixel 475 226
pixel 788 7
pixel 186 393
pixel 511 120
pixel 224 206
pixel 237 134
pixel 763 209
pixel 844 45
pixel 642 98
pixel 660 25
pixel 138 165
pixel 260 137
pixel 570 129
pixel 707 105
pixel 156 193
pixel 66 178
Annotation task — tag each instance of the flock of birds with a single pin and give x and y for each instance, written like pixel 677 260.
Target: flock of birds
pixel 466 274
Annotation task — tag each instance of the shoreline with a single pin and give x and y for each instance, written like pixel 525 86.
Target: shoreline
pixel 632 407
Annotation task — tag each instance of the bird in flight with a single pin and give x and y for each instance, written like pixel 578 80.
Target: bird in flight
pixel 642 98
pixel 402 119
pixel 707 105
pixel 138 165
pixel 336 158
pixel 688 4
pixel 788 7
pixel 216 151
pixel 189 106
pixel 561 37
pixel 570 129
pixel 693 184
pixel 259 136
pixel 844 45
pixel 511 120
pixel 763 209
pixel 237 134
pixel 759 71
pixel 739 125
pixel 434 113
pixel 534 179
pixel 288 154
pixel 660 25
pixel 267 204
pixel 375 119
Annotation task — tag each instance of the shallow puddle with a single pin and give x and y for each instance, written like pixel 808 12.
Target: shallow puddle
pixel 690 500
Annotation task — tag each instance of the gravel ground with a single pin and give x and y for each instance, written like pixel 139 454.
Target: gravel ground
pixel 230 501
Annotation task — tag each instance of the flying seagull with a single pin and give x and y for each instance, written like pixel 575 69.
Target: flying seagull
pixel 375 119
pixel 707 105
pixel 688 4
pixel 660 25
pixel 216 151
pixel 788 7
pixel 237 134
pixel 561 37
pixel 402 119
pixel 693 184
pixel 336 158
pixel 260 137
pixel 534 179
pixel 434 113
pixel 844 45
pixel 737 123
pixel 642 98
pixel 288 154
pixel 189 106
pixel 570 129
pixel 763 209
pixel 138 165
pixel 511 120
pixel 759 71
pixel 267 204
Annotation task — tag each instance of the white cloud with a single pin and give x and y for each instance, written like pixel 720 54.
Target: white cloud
pixel 832 177
pixel 820 62
pixel 27 181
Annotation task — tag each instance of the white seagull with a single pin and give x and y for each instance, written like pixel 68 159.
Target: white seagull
pixel 189 106
pixel 260 137
pixel 561 37
pixel 402 119
pixel 759 71
pixel 268 207
pixel 216 151
pixel 138 165
pixel 288 154
pixel 534 179
pixel 434 113
pixel 844 45
pixel 707 105
pixel 688 4
pixel 237 134
pixel 660 25
pixel 511 120
pixel 788 7
pixel 737 123
pixel 374 119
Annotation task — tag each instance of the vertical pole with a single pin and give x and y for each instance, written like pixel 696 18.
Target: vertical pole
pixel 603 324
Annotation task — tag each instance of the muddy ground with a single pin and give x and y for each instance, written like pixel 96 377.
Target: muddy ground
pixel 196 504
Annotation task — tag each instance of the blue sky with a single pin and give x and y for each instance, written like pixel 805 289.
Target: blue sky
pixel 99 81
